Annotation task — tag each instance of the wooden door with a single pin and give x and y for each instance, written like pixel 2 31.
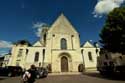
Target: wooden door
pixel 64 64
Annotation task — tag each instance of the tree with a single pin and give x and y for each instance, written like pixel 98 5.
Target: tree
pixel 23 42
pixel 113 33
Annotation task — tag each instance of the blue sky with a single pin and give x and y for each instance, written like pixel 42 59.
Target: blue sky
pixel 17 18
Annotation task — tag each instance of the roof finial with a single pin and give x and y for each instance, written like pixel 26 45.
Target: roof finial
pixel 62 14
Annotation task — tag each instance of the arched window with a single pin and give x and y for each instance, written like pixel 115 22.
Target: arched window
pixel 90 56
pixel 63 43
pixel 44 37
pixel 36 59
pixel 27 51
pixel 44 54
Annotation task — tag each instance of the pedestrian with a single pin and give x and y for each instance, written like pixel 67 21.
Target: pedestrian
pixel 30 75
pixel 26 76
pixel 32 71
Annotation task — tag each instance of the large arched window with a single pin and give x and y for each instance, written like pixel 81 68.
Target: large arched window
pixel 63 43
pixel 36 59
pixel 90 56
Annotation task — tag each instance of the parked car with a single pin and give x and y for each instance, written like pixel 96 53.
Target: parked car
pixel 41 72
pixel 11 71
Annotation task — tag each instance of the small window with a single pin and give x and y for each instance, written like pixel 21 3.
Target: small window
pixel 90 56
pixel 53 35
pixel 72 35
pixel 36 59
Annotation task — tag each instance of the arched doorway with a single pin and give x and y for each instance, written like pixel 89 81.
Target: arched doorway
pixel 64 64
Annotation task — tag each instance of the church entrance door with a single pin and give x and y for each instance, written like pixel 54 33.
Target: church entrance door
pixel 64 64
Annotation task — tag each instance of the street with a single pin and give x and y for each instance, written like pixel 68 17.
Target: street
pixel 79 78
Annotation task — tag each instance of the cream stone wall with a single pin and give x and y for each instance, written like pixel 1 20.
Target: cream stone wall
pixel 61 28
pixel 14 57
pixel 26 59
pixel 31 55
pixel 73 60
pixel 90 63
pixel 6 60
pixel 88 47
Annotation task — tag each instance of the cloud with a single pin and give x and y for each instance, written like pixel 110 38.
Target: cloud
pixel 3 52
pixel 5 44
pixel 5 47
pixel 39 26
pixel 105 6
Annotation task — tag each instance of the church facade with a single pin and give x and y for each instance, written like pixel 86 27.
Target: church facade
pixel 58 49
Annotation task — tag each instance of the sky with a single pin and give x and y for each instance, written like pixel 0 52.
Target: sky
pixel 23 19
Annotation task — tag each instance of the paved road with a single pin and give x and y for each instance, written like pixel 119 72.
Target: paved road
pixel 85 78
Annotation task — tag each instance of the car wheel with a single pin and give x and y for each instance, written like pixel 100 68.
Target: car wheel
pixel 37 76
pixel 9 74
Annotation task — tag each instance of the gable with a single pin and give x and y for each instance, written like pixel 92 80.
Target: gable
pixel 37 44
pixel 62 25
pixel 88 45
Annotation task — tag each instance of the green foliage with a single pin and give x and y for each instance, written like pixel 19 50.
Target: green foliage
pixel 113 32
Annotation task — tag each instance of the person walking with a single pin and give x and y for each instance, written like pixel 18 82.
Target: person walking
pixel 32 72
pixel 30 75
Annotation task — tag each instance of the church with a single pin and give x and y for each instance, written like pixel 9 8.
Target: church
pixel 58 49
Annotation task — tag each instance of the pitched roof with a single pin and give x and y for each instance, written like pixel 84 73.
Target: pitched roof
pixel 88 45
pixel 62 25
pixel 37 44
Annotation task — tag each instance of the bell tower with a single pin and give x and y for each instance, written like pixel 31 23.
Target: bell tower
pixel 44 32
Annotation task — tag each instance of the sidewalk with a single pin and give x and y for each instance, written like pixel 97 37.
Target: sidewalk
pixel 91 71
pixel 65 73
pixel 73 73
